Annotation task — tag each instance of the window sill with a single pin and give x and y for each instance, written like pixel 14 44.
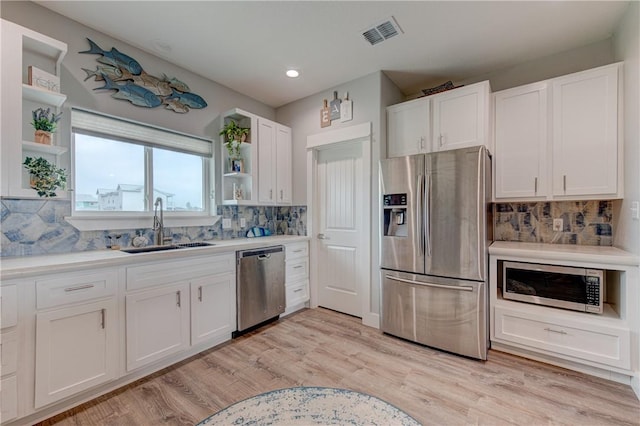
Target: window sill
pixel 103 223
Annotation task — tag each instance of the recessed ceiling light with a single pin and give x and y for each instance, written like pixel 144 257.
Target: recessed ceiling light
pixel 292 73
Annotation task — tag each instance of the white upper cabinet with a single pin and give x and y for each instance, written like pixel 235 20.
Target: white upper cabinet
pixel 284 165
pixel 274 163
pixel 408 128
pixel 458 118
pixel 521 141
pixel 585 133
pixel 559 139
pixel 461 117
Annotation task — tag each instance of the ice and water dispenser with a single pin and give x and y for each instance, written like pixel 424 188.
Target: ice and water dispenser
pixel 395 215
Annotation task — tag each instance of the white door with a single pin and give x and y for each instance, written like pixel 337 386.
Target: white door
pixel 157 324
pixel 266 161
pixel 408 128
pixel 585 132
pixel 460 117
pixel 213 314
pixel 76 348
pixel 340 208
pixel 521 141
pixel 283 165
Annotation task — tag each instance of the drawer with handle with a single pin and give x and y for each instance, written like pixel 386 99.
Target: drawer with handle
pixel 75 287
pixel 587 341
pixel 297 250
pixel 297 293
pixel 8 306
pixel 297 269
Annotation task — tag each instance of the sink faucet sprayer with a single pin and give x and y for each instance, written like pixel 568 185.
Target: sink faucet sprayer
pixel 158 224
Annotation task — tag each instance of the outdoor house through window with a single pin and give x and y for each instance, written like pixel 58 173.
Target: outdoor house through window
pixel 124 166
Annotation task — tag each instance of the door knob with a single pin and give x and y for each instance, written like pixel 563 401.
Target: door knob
pixel 322 237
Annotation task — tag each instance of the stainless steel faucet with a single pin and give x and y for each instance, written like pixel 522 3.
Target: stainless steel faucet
pixel 158 224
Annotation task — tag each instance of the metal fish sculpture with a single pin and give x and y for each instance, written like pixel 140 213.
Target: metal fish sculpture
pixel 114 73
pixel 176 84
pixel 148 81
pixel 131 92
pixel 176 106
pixel 115 58
pixel 190 99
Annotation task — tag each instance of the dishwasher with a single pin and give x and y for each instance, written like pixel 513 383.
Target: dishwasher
pixel 260 288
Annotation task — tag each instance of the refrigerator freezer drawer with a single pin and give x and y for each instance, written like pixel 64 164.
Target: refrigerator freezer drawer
pixel 443 313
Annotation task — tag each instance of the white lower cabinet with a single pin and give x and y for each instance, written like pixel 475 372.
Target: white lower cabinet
pixel 8 398
pixel 76 348
pixel 157 323
pixel 8 353
pixel 591 342
pixel 212 308
pixel 296 276
pixel 173 305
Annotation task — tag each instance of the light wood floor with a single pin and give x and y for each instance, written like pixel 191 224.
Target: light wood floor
pixel 319 347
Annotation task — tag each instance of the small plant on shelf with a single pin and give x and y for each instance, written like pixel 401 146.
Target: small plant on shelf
pixel 45 177
pixel 234 135
pixel 45 122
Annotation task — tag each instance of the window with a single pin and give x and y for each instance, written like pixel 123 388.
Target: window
pixel 122 166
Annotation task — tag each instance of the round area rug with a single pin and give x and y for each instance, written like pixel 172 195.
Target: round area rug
pixel 311 405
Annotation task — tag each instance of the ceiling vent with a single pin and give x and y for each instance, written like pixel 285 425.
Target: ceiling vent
pixel 381 31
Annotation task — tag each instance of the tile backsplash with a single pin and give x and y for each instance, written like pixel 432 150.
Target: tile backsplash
pixel 584 222
pixel 35 227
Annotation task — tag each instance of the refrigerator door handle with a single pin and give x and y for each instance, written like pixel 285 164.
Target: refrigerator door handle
pixel 443 286
pixel 420 213
pixel 427 214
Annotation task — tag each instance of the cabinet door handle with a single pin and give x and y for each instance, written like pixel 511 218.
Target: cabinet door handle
pixel 102 315
pixel 535 185
pixel 555 331
pixel 564 183
pixel 200 293
pixel 298 267
pixel 298 290
pixel 79 287
pixel 178 298
pixel 271 194
pixel 441 140
pixel 421 143
pixel 281 195
pixel 298 251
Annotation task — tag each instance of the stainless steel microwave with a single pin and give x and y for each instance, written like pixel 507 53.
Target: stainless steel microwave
pixel 578 289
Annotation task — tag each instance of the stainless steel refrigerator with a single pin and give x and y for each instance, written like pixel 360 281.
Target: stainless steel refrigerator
pixel 436 228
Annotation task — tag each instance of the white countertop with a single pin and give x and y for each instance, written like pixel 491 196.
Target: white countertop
pixel 566 252
pixel 22 267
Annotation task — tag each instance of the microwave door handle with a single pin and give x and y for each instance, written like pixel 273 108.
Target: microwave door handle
pixel 420 214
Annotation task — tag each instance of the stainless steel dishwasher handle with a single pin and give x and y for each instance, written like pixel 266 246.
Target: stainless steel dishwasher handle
pixel 443 286
pixel 264 257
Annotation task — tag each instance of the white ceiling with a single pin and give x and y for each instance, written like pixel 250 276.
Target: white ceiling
pixel 247 45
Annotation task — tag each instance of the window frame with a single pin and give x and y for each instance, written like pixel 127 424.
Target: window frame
pixel 103 220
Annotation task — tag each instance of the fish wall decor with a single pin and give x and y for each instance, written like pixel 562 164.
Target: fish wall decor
pixel 125 75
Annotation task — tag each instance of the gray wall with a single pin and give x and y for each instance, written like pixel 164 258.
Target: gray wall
pixel 369 94
pixel 80 93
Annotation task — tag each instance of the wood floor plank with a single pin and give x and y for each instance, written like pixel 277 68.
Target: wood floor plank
pixel 318 347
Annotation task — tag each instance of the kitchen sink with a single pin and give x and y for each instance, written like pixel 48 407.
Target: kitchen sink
pixel 149 249
pixel 196 244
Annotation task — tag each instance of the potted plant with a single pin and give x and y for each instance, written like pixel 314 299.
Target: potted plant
pixel 45 122
pixel 45 177
pixel 234 135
